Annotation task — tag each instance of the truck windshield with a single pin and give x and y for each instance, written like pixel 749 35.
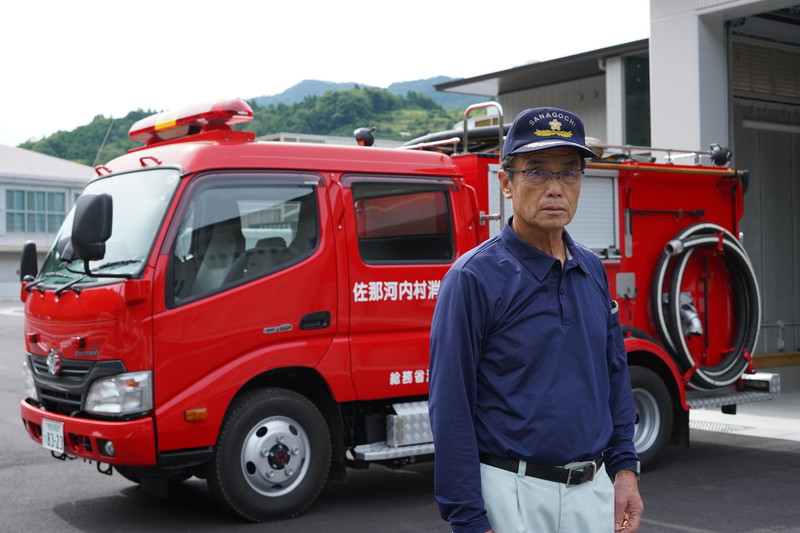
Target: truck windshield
pixel 140 200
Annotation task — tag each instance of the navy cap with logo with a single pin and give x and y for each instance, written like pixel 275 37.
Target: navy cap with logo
pixel 541 128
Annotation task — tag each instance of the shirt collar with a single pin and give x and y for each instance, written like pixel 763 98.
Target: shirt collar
pixel 535 260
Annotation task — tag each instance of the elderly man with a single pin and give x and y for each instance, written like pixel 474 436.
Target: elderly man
pixel 530 399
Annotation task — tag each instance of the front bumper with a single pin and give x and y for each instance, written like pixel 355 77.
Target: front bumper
pixel 134 440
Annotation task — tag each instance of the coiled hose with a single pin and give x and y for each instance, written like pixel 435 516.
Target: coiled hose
pixel 747 303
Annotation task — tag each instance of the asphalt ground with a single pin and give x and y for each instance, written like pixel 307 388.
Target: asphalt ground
pixel 729 479
pixel 741 474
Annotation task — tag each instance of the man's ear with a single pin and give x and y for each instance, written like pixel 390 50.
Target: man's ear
pixel 505 183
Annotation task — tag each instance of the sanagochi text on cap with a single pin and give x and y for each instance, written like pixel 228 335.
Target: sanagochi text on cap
pixel 546 127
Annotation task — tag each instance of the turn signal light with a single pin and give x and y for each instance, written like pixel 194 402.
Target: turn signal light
pixel 195 414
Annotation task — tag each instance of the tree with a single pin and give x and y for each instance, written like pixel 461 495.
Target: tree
pixel 333 113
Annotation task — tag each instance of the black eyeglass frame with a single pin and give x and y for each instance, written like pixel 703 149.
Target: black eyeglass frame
pixel 572 176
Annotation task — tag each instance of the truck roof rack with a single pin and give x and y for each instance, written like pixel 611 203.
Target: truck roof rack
pixel 489 139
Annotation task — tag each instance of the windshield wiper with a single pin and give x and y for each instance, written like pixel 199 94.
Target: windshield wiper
pixel 93 273
pixel 69 285
pixel 33 284
pixel 118 263
pixel 29 287
pixel 54 275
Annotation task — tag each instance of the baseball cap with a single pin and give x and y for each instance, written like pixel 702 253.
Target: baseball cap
pixel 541 128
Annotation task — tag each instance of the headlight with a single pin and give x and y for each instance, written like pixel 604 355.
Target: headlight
pixel 121 394
pixel 30 385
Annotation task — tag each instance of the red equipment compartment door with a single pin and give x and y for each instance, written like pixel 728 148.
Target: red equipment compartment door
pixel 249 281
pixel 703 300
pixel 400 236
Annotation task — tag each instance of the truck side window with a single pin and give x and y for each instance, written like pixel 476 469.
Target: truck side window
pixel 403 223
pixel 231 234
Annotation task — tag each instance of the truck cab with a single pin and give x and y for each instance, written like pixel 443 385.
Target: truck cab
pixel 247 312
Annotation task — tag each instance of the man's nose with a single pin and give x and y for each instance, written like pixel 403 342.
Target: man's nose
pixel 554 187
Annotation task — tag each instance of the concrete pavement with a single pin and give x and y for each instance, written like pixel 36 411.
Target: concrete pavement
pixel 775 419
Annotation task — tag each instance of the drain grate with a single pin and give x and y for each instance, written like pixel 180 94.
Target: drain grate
pixel 716 426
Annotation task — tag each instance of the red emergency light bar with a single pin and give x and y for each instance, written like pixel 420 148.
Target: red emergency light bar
pixel 217 115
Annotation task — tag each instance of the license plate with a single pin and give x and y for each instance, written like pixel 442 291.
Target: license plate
pixel 53 435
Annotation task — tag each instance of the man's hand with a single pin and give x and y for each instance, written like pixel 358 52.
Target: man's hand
pixel 628 506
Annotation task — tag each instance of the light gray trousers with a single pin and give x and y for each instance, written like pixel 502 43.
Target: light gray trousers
pixel 516 503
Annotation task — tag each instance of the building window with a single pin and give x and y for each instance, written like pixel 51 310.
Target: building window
pixel 637 99
pixel 34 211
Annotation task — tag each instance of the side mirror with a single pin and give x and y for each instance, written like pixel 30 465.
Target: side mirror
pixel 64 249
pixel 91 227
pixel 29 263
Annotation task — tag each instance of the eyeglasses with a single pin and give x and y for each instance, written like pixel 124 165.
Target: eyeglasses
pixel 536 176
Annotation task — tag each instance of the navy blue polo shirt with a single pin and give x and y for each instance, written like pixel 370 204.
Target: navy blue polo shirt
pixel 528 362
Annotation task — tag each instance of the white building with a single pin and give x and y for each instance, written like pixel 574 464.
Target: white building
pixel 712 71
pixel 38 191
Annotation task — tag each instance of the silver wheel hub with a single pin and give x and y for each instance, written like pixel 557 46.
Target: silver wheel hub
pixel 275 456
pixel 648 420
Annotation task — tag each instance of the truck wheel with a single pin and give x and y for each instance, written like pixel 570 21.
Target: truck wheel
pixel 653 414
pixel 272 456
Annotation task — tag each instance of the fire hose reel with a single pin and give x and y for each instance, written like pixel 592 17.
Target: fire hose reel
pixel 677 318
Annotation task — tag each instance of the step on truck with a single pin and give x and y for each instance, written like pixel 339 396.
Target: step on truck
pixel 257 314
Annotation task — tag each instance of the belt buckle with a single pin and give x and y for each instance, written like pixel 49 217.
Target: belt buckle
pixel 581 474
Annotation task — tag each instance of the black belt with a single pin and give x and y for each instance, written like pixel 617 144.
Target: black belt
pixel 569 476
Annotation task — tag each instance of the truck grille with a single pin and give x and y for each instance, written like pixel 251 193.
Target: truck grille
pixel 65 392
pixel 70 368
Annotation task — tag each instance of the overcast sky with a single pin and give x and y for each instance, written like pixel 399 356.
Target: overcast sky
pixel 65 62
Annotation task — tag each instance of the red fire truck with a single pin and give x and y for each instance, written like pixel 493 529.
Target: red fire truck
pixel 257 313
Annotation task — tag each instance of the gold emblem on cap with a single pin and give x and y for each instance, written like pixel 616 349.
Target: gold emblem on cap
pixel 555 126
pixel 550 133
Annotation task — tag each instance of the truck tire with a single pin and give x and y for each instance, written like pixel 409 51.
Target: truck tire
pixel 654 415
pixel 272 455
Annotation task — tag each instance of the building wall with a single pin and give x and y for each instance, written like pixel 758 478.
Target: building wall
pixel 688 76
pixel 703 91
pixel 615 101
pixel 768 137
pixel 36 193
pixel 585 97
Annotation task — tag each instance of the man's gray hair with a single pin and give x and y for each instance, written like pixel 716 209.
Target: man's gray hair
pixel 507 162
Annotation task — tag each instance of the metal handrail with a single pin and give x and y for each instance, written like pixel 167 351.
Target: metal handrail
pixel 500 126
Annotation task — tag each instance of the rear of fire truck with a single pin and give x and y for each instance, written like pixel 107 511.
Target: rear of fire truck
pixel 665 224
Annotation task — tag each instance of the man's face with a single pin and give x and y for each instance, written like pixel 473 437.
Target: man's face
pixel 547 207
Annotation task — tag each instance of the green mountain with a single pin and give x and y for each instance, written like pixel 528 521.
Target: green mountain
pixel 425 87
pixel 296 93
pixel 339 112
pixel 305 88
pixel 93 144
pixel 405 110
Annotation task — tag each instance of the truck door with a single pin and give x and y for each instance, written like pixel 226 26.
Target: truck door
pixel 400 243
pixel 248 288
